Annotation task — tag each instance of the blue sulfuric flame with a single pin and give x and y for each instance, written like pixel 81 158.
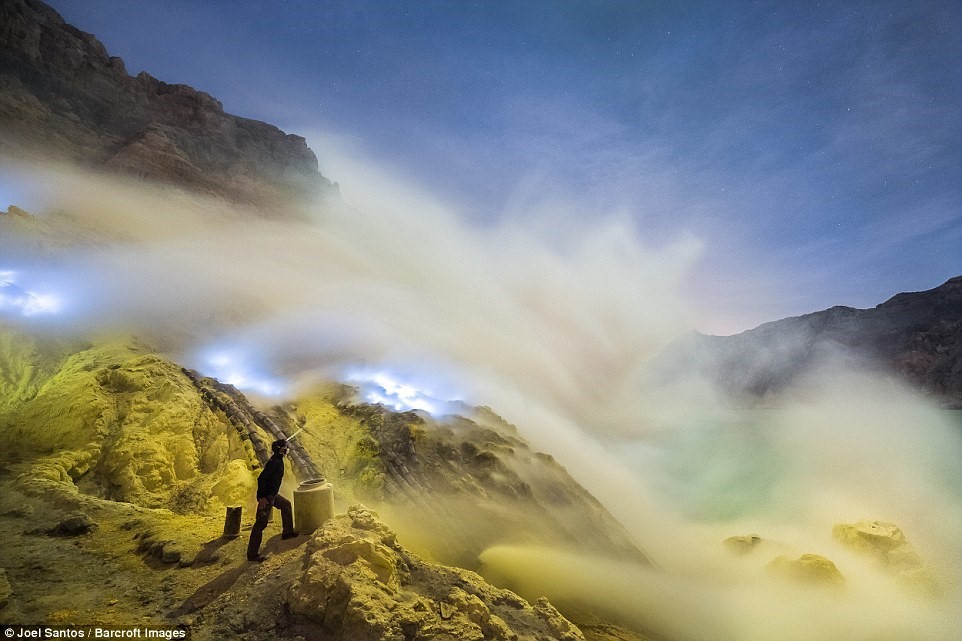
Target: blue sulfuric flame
pixel 18 300
pixel 233 366
pixel 398 391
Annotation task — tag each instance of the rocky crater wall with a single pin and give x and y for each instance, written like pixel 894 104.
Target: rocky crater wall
pixel 62 95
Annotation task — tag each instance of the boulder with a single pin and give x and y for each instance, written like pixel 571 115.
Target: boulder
pixel 887 543
pixel 742 544
pixel 358 583
pixel 875 537
pixel 808 568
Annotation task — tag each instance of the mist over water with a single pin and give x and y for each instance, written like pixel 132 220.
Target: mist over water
pixel 548 318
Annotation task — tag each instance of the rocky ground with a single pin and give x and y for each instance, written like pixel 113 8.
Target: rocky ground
pixel 93 562
pixel 119 466
pixel 80 563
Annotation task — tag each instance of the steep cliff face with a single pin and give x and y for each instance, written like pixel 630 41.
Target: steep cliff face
pixel 63 95
pixel 914 337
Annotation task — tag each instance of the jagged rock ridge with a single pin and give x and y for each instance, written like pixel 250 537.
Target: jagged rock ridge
pixel 63 95
pixel 915 337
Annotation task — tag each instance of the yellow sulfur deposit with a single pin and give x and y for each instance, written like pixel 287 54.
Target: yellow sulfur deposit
pixel 114 421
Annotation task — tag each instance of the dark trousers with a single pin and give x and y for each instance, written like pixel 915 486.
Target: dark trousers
pixel 260 522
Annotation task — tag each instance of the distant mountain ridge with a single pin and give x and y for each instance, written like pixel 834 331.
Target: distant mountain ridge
pixel 63 96
pixel 915 337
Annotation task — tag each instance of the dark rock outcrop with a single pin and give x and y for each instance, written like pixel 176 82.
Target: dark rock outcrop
pixel 63 96
pixel 475 478
pixel 914 337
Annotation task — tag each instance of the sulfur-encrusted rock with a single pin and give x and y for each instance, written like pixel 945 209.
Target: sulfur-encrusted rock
pixel 876 537
pixel 887 543
pixel 560 627
pixel 359 584
pixel 237 484
pixel 113 420
pixel 808 568
pixel 742 544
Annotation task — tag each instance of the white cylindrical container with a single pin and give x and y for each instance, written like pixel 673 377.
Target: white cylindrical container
pixel 313 504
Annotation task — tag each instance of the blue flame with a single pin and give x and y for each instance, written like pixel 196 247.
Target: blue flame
pixel 398 391
pixel 18 300
pixel 233 366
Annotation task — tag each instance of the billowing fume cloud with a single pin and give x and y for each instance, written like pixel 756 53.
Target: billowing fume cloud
pixel 549 319
pixel 571 306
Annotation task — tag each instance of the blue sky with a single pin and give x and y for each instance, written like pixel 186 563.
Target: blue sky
pixel 814 148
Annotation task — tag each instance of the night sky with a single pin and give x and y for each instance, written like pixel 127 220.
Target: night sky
pixel 814 149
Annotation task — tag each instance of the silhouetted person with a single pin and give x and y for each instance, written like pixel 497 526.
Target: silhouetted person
pixel 268 484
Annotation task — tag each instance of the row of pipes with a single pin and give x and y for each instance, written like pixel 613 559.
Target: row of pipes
pixel 246 419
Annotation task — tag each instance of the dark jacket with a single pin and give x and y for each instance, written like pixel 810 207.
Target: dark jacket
pixel 269 481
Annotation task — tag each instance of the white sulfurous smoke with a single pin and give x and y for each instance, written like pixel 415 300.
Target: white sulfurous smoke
pixel 549 318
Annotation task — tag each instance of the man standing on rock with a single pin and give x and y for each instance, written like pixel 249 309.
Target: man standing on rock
pixel 268 484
